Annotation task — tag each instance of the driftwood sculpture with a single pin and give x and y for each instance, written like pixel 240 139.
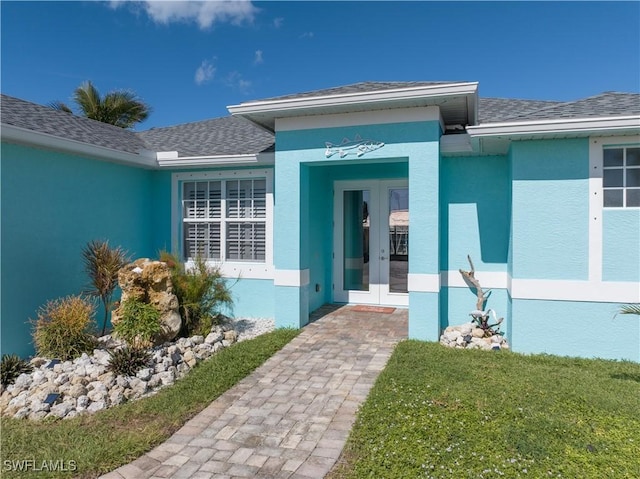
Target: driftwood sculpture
pixel 480 316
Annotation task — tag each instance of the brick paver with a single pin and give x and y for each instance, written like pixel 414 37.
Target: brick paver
pixel 291 417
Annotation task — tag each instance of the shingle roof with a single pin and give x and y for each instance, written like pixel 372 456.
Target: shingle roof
pixel 234 136
pixel 219 136
pixel 362 87
pixel 604 104
pixel 494 110
pixel 43 119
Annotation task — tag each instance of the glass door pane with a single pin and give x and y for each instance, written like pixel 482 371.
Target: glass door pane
pixel 398 239
pixel 356 226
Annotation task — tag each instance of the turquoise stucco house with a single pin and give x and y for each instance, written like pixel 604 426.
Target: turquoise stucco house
pixel 372 193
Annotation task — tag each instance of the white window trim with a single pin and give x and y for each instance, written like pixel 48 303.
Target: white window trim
pixel 624 167
pixel 596 197
pixel 229 269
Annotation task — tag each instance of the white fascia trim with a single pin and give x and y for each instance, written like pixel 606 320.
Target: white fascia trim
pixel 380 117
pixel 291 277
pixel 488 279
pixel 540 127
pixel 587 291
pixel 423 283
pixel 27 137
pixel 170 159
pixel 290 104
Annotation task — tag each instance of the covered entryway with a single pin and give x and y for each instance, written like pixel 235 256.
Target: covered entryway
pixel 371 242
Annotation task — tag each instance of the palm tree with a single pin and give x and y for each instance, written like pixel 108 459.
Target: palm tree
pixel 121 108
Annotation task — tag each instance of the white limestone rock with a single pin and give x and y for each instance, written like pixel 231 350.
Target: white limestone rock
pixel 86 386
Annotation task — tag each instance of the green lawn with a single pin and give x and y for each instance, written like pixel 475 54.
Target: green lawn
pixel 111 438
pixel 445 413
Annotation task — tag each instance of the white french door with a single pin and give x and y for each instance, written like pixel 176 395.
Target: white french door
pixel 371 242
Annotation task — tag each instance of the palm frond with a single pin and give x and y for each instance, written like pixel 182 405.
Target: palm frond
pixel 88 100
pixel 121 108
pixel 60 106
pixel 125 108
pixel 630 309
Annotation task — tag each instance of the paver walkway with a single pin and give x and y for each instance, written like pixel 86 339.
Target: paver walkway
pixel 291 417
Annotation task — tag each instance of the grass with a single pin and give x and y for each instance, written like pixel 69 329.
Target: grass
pixel 437 412
pixel 104 441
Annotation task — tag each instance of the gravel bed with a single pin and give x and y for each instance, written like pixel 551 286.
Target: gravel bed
pixel 248 328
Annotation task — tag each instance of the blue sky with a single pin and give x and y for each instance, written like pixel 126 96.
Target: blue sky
pixel 190 60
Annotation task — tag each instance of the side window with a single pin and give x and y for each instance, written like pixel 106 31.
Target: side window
pixel 621 177
pixel 225 219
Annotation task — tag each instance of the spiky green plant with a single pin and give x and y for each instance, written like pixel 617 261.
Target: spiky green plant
pixel 102 264
pixel 128 361
pixel 63 329
pixel 11 367
pixel 140 322
pixel 201 290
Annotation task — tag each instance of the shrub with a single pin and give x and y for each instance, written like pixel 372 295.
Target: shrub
pixel 11 367
pixel 139 324
pixel 201 292
pixel 62 329
pixel 102 264
pixel 128 361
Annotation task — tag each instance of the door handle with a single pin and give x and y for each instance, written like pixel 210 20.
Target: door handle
pixel 382 258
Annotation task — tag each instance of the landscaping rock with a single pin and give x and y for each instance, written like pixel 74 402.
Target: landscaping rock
pixel 213 337
pixel 82 403
pixel 144 374
pixel 190 358
pixel 61 410
pixel 150 282
pixel 86 386
pixel 77 390
pixel 469 336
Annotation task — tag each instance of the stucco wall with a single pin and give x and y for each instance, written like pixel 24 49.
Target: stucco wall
pixel 550 208
pixel 475 212
pixel 621 245
pixel 52 205
pixel 574 328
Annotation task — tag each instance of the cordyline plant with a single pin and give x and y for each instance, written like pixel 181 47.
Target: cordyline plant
pixel 102 263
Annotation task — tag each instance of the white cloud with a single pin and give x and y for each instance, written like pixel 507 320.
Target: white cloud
pixel 205 14
pixel 307 35
pixel 257 60
pixel 277 22
pixel 205 73
pixel 237 82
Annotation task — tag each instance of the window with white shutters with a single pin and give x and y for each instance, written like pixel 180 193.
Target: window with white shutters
pixel 225 219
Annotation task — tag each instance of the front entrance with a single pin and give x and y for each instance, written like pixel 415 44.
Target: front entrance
pixel 371 242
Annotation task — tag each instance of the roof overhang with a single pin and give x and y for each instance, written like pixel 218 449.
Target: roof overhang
pixel 457 102
pixel 544 128
pixel 23 136
pixel 495 138
pixel 170 159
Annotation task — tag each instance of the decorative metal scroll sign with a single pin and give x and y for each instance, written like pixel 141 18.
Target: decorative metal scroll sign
pixel 356 147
